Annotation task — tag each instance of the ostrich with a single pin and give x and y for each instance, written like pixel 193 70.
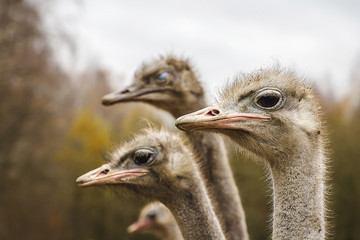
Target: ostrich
pixel 171 84
pixel 157 219
pixel 275 116
pixel 159 165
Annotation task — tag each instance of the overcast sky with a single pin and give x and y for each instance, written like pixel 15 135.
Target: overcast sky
pixel 320 39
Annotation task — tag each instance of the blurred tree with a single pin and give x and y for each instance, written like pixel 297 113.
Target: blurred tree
pixel 54 128
pixel 28 122
pixel 93 213
pixel 254 193
pixel 344 128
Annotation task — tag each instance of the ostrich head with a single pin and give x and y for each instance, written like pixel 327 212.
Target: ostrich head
pixel 168 83
pixel 267 112
pixel 154 218
pixel 153 164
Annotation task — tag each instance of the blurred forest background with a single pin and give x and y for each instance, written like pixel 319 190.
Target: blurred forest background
pixel 53 129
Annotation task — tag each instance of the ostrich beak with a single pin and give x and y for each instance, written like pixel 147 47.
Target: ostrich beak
pixel 139 225
pixel 131 93
pixel 214 117
pixel 105 175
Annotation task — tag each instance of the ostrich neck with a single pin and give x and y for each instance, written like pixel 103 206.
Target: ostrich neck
pixel 299 196
pixel 174 232
pixel 194 213
pixel 171 232
pixel 218 177
pixel 217 174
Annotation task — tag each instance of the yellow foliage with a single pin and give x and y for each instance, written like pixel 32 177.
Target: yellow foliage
pixel 91 131
pixel 87 139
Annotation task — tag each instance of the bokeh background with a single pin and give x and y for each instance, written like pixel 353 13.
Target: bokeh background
pixel 58 58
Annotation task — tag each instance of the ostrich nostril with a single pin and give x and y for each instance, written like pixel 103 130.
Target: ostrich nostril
pixel 213 112
pixel 125 91
pixel 104 172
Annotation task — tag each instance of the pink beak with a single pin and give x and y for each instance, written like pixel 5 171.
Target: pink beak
pixel 214 117
pixel 140 224
pixel 104 175
pixel 129 94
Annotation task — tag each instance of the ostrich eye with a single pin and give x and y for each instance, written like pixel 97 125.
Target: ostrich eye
pixel 144 156
pixel 163 76
pixel 269 99
pixel 151 216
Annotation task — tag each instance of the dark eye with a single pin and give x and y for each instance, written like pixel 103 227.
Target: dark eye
pixel 151 216
pixel 269 99
pixel 144 156
pixel 163 76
